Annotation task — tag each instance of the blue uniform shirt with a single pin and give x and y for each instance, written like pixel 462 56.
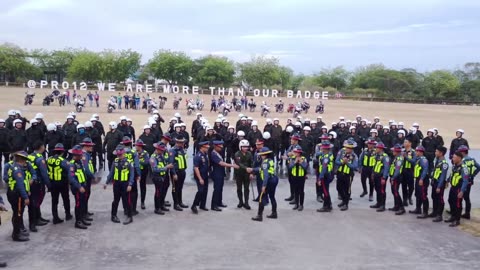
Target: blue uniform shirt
pixel 18 174
pixel 326 171
pixel 86 159
pixel 119 163
pixel 443 166
pixel 423 163
pixel 217 170
pixel 42 170
pixel 174 153
pixel 154 160
pixel 472 165
pixel 201 162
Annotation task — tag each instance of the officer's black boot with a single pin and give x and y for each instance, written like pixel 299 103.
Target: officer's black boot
pixel 19 237
pixel 274 211
pixel 405 202
pixel 32 227
pixel 40 218
pixel 291 194
pixel 129 218
pixel 245 204
pixel 296 201
pixel 56 219
pixel 259 216
pixel 302 199
pixel 114 213
pixel 240 199
pixel 79 225
pixel 417 208
pixel 400 211
pixel 425 211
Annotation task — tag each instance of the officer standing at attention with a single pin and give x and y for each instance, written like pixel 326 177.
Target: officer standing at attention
pixel 218 175
pixel 420 173
pixel 178 157
pixel 347 162
pixel 17 193
pixel 244 159
pixel 298 170
pixel 87 145
pixel 325 176
pixel 143 160
pixel 201 167
pixel 38 187
pixel 439 176
pixel 78 185
pixel 459 181
pixel 158 163
pixel 269 184
pixel 408 182
pixel 2 208
pixel 365 165
pixel 288 156
pixel 122 174
pixel 60 177
pixel 380 176
pixel 257 162
pixel 473 170
pixel 132 156
pixel 396 168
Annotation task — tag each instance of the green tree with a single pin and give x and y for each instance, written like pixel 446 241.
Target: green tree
pixel 470 91
pixel 174 67
pixel 117 66
pixel 214 71
pixel 442 84
pixel 54 63
pixel 336 77
pixel 15 64
pixel 86 66
pixel 286 76
pixel 261 71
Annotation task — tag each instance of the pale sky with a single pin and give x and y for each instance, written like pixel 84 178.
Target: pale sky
pixel 305 35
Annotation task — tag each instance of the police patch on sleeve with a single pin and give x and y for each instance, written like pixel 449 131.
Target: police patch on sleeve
pixel 265 166
pixel 19 175
pixel 465 170
pixel 445 166
pixel 387 159
pixel 399 163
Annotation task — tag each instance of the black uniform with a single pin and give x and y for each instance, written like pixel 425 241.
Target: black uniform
pixel 112 139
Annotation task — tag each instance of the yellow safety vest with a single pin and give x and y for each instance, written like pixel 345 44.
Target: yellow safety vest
pixel 457 176
pixel 470 165
pixel 141 158
pixel 408 164
pixel 12 182
pixel 330 163
pixel 271 168
pixel 379 164
pixel 181 161
pixel 79 173
pixel 55 170
pixel 369 160
pixel 298 170
pixel 417 169
pixel 438 169
pixel 123 174
pixel 392 166
pixel 32 159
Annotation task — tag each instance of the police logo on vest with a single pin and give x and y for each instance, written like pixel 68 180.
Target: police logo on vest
pixel 265 166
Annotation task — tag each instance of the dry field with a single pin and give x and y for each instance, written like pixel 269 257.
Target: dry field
pixel 447 118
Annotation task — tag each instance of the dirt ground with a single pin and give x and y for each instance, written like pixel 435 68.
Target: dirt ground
pixel 447 118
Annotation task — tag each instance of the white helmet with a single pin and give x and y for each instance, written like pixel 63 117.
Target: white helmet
pixel 39 116
pixel 269 121
pixel 146 127
pixel 324 127
pixel 123 118
pixel 240 133
pixel 386 128
pixel 401 124
pixel 266 135
pixel 319 117
pixel 11 113
pixel 458 130
pixel 176 125
pixel 415 125
pixel 57 123
pixel 70 117
pixel 33 121
pixel 431 130
pixel 2 120
pixel 250 118
pixel 129 120
pixel 413 130
pixel 152 122
pixel 155 117
pixel 307 128
pixel 95 116
pixel 183 125
pixel 113 125
pixel 243 118
pixel 401 131
pixel 18 112
pixel 352 127
pixel 93 119
pixel 358 116
pixel 231 127
pixel 275 119
pixel 341 118
pixel 218 120
pixel 333 133
pixel 254 123
pixel 377 118
pixel 298 123
pixel 220 116
pixel 88 124
pixel 243 143
pixel 173 119
pixel 199 114
pixel 155 112
pixel 177 115
pixel 79 126
pixel 208 127
pixel 51 127
pixel 373 131
pixel 16 121
pixel 225 120
pixel 289 129
pixel 240 115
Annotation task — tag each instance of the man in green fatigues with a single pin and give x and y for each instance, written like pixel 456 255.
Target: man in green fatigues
pixel 244 159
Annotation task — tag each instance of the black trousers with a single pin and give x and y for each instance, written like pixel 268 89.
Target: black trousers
pixel 37 193
pixel 466 197
pixel 18 207
pixel 299 189
pixel 120 192
pixel 143 185
pixel 201 195
pixel 157 198
pixel 367 175
pixel 437 199
pixel 344 186
pixel 408 184
pixel 177 195
pixel 163 192
pixel 325 186
pixel 455 203
pixel 395 184
pixel 421 193
pixel 80 205
pixel 380 189
pixel 243 188
pixel 60 188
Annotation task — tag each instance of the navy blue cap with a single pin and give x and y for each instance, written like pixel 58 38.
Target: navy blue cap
pixel 219 142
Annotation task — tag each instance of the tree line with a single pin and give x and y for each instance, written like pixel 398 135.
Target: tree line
pixel 175 67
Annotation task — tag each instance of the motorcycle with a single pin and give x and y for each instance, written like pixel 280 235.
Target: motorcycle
pixel 305 107
pixel 296 112
pixel 79 104
pixel 226 109
pixel 176 103
pixel 279 107
pixel 47 100
pixel 61 100
pixel 291 108
pixel 238 107
pixel 265 111
pixel 252 106
pixel 151 106
pixel 111 106
pixel 319 109
pixel 191 108
pixel 28 98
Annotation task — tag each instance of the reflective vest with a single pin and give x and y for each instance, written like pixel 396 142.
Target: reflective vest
pixel 379 163
pixel 345 169
pixel 141 158
pixel 438 170
pixel 298 170
pixel 129 155
pixel 368 159
pixel 32 158
pixel 121 173
pixel 79 173
pixel 271 168
pixel 408 164
pixel 457 175
pixel 90 166
pixel 330 163
pixel 470 165
pixel 418 169
pixel 12 182
pixel 394 163
pixel 55 170
pixel 181 161
pixel 160 164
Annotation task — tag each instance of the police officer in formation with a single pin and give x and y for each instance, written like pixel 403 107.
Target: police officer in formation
pixel 59 172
